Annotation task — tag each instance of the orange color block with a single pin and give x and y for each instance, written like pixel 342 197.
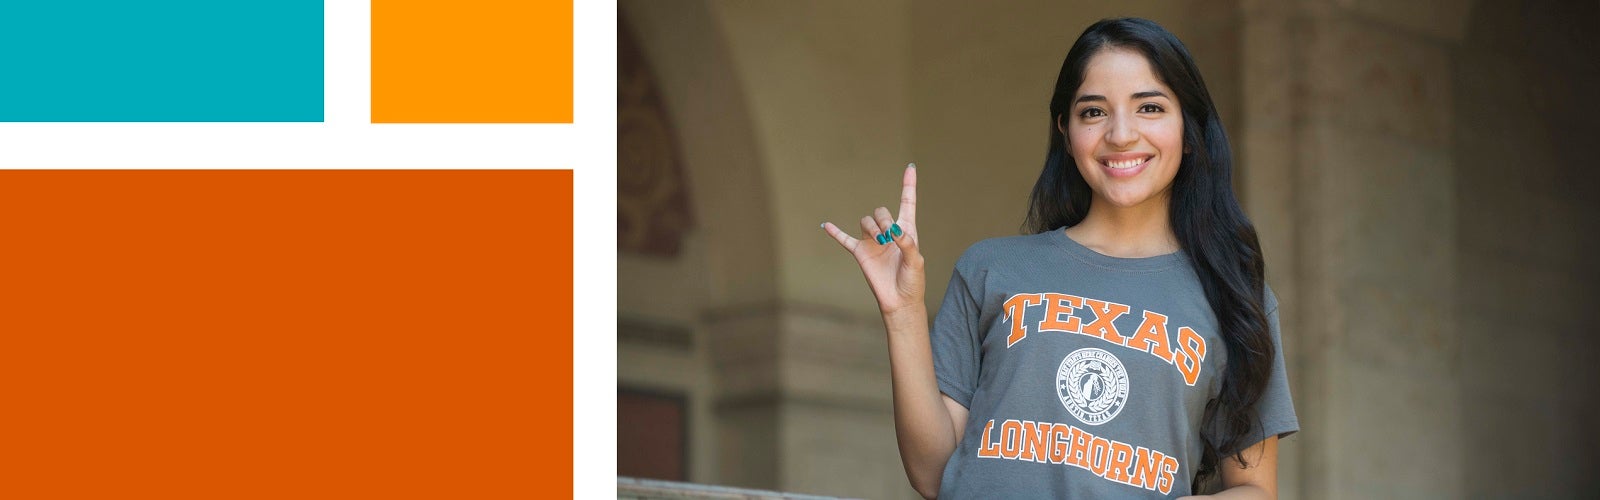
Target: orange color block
pixel 472 61
pixel 286 334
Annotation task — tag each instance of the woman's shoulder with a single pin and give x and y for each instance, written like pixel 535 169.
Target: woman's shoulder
pixel 990 252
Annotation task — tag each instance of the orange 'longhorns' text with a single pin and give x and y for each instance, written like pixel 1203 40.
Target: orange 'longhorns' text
pixel 1052 443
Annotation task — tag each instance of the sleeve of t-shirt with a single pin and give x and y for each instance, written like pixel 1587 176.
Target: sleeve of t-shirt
pixel 955 340
pixel 1276 408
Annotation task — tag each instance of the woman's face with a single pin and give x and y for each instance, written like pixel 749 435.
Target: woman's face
pixel 1125 130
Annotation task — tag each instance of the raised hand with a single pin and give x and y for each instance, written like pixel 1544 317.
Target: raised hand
pixel 887 251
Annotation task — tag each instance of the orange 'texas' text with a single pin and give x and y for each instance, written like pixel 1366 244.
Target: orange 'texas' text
pixel 1052 443
pixel 1062 314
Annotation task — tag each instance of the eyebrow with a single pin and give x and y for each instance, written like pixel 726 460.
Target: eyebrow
pixel 1136 95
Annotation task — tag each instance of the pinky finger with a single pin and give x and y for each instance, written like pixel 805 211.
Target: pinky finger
pixel 838 235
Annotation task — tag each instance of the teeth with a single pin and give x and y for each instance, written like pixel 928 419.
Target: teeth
pixel 1125 164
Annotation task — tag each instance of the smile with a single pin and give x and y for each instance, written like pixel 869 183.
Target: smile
pixel 1127 164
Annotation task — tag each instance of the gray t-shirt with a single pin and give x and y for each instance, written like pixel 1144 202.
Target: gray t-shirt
pixel 1085 375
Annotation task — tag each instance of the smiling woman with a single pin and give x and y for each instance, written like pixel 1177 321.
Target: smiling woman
pixel 1138 128
pixel 1128 345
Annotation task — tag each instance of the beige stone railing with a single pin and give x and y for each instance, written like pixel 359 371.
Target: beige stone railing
pixel 651 489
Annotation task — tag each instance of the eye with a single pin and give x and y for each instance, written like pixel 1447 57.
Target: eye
pixel 1091 113
pixel 1151 108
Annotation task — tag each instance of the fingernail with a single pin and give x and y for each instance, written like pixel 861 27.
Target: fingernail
pixel 823 225
pixel 911 165
pixel 895 230
pixel 881 239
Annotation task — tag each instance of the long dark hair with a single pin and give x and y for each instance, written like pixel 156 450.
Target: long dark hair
pixel 1213 231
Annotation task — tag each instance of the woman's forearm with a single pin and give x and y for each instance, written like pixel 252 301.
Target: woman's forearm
pixel 922 423
pixel 1241 492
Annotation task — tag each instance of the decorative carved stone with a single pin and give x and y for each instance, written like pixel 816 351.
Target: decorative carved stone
pixel 652 191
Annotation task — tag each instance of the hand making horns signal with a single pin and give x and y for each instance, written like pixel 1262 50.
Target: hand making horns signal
pixel 887 251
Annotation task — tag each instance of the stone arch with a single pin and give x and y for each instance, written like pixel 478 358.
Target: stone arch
pixel 729 193
pixel 700 323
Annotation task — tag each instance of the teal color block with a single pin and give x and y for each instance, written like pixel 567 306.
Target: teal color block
pixel 161 61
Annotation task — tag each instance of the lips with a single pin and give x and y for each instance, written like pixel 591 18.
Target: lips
pixel 1125 165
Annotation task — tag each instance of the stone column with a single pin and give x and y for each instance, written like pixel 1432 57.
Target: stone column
pixel 1349 176
pixel 803 401
pixel 803 395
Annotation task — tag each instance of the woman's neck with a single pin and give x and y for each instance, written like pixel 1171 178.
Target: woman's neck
pixel 1139 231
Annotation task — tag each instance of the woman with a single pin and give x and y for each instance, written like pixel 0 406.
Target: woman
pixel 1128 346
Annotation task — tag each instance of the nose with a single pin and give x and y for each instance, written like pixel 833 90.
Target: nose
pixel 1122 132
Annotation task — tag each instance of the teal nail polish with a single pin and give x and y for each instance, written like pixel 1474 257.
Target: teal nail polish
pixel 882 239
pixel 895 230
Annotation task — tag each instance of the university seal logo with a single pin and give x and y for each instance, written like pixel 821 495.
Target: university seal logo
pixel 1093 385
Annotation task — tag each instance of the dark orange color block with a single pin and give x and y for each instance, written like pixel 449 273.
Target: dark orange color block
pixel 286 334
pixel 472 61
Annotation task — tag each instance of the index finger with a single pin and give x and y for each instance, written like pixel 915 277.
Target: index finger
pixel 839 235
pixel 908 195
